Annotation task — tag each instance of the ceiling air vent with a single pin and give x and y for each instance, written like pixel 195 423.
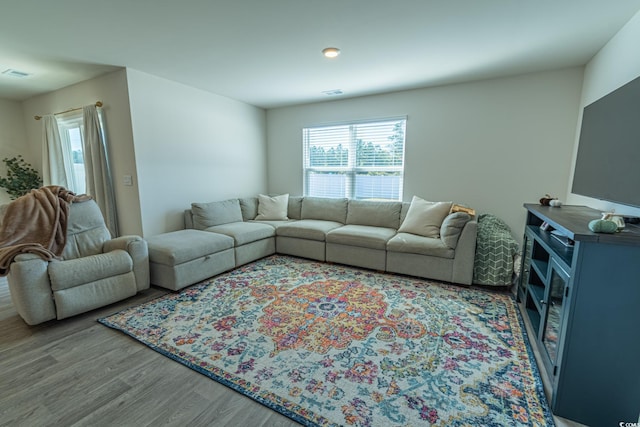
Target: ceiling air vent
pixel 15 73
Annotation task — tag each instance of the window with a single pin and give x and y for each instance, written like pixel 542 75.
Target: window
pixel 71 131
pixel 356 160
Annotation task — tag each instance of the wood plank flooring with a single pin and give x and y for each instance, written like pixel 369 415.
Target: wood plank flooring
pixel 77 372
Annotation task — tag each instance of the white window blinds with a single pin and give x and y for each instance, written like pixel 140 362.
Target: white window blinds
pixel 356 160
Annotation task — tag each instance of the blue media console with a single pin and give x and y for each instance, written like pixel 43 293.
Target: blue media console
pixel 583 304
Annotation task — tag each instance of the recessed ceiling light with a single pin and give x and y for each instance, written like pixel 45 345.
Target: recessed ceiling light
pixel 15 73
pixel 331 52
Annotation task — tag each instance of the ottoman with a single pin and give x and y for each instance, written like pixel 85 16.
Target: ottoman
pixel 184 257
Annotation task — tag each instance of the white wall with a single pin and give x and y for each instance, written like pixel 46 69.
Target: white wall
pixel 111 89
pixel 192 146
pixel 13 138
pixel 492 144
pixel 617 63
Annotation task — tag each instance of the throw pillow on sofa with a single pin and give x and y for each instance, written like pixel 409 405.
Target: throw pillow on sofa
pixel 273 208
pixel 424 218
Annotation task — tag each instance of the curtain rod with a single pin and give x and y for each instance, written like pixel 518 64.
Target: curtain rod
pixel 98 104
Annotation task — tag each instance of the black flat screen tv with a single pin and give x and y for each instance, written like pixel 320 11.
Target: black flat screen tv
pixel 608 160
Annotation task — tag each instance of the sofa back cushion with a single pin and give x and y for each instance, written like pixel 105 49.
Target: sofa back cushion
pixel 376 214
pixel 207 215
pixel 404 210
pixel 324 209
pixel 248 207
pixel 452 228
pixel 295 207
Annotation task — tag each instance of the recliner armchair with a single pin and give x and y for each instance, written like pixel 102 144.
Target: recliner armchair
pixel 94 270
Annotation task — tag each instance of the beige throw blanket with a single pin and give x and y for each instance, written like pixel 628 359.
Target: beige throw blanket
pixel 36 223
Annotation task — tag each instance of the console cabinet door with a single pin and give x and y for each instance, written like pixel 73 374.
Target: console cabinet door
pixel 524 268
pixel 555 301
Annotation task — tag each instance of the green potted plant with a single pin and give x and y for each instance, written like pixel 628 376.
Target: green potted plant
pixel 21 177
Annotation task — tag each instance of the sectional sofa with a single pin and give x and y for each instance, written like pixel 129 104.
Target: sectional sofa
pixel 370 234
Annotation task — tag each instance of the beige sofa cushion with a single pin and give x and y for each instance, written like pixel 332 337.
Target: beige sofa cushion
pixel 325 209
pixel 414 244
pixel 373 213
pixel 452 227
pixel 424 218
pixel 364 236
pixel 244 232
pixel 207 215
pixel 248 207
pixel 310 229
pixel 295 207
pixel 275 224
pixel 177 247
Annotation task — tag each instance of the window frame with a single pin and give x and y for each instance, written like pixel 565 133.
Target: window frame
pixel 66 123
pixel 351 170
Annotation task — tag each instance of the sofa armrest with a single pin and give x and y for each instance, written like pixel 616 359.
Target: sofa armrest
pixel 465 254
pixel 30 289
pixel 137 248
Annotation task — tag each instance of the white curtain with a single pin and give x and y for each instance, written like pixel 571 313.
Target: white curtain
pixel 99 183
pixel 56 167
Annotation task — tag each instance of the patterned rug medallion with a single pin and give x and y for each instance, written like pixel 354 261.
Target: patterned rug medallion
pixel 333 345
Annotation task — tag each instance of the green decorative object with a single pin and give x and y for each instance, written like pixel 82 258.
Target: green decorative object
pixel 603 226
pixel 495 252
pixel 21 177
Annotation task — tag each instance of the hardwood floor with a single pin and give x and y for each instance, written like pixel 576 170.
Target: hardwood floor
pixel 77 372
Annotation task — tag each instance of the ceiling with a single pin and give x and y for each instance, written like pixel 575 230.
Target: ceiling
pixel 268 52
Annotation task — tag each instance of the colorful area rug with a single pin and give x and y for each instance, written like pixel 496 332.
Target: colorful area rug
pixel 332 345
